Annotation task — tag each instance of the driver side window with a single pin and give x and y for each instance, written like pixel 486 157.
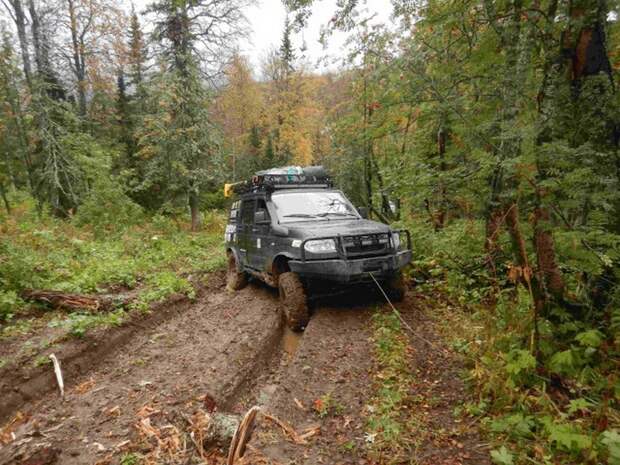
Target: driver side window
pixel 261 205
pixel 247 211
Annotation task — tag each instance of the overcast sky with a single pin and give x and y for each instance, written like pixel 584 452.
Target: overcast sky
pixel 267 20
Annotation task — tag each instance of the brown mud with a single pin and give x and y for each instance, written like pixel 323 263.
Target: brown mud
pixel 27 374
pixel 229 352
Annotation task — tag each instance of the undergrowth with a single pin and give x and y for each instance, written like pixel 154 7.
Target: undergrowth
pixel 155 254
pixel 546 399
pixel 391 413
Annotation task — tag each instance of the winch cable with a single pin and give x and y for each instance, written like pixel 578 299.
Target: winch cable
pixel 397 313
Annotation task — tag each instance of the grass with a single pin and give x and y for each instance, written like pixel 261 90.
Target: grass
pixel 392 422
pixel 156 255
pixel 77 324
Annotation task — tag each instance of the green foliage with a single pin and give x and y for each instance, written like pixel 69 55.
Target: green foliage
pixel 179 156
pixel 591 338
pixel 108 209
pixel 159 286
pixel 386 422
pixel 49 253
pixel 9 304
pixel 611 439
pixel 130 459
pixel 518 363
pixel 42 360
pixel 327 405
pixel 78 324
pixel 567 437
pixel 518 406
pixel 502 456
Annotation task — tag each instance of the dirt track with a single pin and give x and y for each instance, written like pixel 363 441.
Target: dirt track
pixel 229 350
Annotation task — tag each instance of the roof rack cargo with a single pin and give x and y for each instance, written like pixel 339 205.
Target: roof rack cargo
pixel 287 177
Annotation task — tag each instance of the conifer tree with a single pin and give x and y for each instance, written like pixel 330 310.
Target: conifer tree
pixel 183 149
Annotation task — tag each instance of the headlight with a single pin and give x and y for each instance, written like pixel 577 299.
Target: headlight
pixel 320 246
pixel 396 240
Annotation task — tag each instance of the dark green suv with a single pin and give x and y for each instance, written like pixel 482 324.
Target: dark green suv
pixel 290 228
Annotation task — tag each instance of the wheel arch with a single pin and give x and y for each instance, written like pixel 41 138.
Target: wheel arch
pixel 279 264
pixel 233 251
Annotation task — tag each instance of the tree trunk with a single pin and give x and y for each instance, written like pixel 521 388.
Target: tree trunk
pixel 588 50
pixel 7 205
pixel 78 60
pixel 194 210
pixel 441 150
pixel 491 247
pixel 39 54
pixel 518 242
pixel 386 208
pixel 20 23
pixel 550 274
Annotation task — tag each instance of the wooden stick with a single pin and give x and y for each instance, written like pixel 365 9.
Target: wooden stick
pixel 242 436
pixel 61 384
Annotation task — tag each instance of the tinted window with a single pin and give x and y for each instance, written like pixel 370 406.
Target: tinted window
pixel 261 205
pixel 247 211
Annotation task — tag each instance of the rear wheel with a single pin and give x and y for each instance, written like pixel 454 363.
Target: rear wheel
pixel 395 288
pixel 235 279
pixel 293 301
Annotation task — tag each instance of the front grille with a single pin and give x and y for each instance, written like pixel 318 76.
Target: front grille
pixel 366 244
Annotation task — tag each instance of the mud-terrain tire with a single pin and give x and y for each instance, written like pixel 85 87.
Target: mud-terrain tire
pixel 293 301
pixel 235 279
pixel 395 288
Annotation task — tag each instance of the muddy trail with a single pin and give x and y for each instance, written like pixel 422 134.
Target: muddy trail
pixel 228 352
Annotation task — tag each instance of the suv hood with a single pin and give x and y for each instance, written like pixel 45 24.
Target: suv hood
pixel 309 229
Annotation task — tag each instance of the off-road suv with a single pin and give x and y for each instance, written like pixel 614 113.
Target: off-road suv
pixel 290 228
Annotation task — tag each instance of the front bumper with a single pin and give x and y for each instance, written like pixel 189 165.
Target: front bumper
pixel 351 270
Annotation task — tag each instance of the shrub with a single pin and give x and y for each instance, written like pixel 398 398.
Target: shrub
pixel 108 209
pixel 9 304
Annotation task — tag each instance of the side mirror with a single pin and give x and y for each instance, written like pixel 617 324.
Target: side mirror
pixel 363 211
pixel 260 217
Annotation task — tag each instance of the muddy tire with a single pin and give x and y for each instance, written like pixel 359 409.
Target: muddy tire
pixel 235 279
pixel 293 301
pixel 395 288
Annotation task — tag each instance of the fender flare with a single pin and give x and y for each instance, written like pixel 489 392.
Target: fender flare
pixel 233 251
pixel 285 255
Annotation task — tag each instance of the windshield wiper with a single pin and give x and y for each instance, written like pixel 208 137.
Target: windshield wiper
pixel 299 215
pixel 337 213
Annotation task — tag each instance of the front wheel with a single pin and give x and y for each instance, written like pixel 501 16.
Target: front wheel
pixel 293 301
pixel 235 279
pixel 395 288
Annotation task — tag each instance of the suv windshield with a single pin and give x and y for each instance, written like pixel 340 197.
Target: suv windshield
pixel 300 206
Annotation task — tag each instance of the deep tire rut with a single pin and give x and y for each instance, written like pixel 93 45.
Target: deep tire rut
pixel 211 352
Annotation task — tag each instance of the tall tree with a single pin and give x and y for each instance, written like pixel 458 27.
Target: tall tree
pixel 17 12
pixel 193 37
pixel 238 111
pixel 137 54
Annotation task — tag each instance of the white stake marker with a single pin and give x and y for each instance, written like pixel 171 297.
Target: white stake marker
pixel 61 385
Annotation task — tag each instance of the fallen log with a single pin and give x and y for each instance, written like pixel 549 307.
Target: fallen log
pixel 68 301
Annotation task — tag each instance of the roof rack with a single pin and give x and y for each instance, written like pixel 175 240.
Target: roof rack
pixel 288 177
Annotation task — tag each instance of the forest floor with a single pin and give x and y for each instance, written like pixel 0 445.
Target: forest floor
pixel 143 397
